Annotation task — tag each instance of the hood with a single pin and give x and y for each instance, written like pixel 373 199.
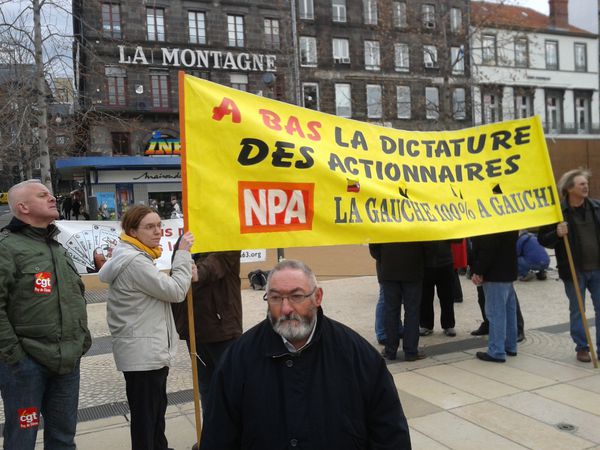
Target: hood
pixel 122 255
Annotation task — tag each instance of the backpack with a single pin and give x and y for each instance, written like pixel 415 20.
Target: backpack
pixel 258 279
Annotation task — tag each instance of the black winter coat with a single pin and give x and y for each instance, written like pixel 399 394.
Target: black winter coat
pixel 336 393
pixel 548 238
pixel 495 256
pixel 399 261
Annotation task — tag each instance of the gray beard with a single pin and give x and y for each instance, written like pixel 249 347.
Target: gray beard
pixel 293 327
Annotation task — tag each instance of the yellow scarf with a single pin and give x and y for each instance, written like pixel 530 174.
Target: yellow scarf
pixel 153 252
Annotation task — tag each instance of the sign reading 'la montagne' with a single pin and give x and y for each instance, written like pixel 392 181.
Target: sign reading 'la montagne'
pixel 198 58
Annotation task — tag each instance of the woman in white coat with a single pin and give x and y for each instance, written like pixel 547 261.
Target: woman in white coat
pixel 141 322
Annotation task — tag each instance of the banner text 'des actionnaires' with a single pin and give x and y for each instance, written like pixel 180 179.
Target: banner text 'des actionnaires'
pixel 261 173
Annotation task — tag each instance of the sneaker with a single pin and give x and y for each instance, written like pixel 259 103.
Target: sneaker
pixel 530 276
pixel 425 331
pixel 541 275
pixel 483 330
pixel 484 356
pixel 414 356
pixel 451 332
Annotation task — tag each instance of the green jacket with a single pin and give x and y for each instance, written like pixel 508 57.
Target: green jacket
pixel 42 306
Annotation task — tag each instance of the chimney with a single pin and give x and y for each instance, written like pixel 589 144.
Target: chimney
pixel 559 13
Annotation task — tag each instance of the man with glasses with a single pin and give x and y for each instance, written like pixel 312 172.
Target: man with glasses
pixel 300 379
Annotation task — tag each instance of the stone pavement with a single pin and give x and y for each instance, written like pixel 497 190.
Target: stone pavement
pixel 541 399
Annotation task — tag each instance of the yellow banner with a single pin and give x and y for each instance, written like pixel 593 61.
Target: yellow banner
pixel 261 173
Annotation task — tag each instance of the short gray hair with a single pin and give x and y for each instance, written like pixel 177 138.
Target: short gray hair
pixel 293 264
pixel 567 180
pixel 12 201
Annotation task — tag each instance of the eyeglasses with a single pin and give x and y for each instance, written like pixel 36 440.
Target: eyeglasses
pixel 150 226
pixel 294 298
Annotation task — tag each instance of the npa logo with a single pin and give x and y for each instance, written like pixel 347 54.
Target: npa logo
pixel 43 283
pixel 28 417
pixel 273 206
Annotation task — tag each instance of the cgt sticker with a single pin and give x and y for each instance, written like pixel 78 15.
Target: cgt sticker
pixel 28 417
pixel 43 283
pixel 274 206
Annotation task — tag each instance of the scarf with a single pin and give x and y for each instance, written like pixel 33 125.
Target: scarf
pixel 153 252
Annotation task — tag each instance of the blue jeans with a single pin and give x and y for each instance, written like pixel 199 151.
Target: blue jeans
pixel 501 312
pixel 380 318
pixel 591 281
pixel 525 267
pixel 396 294
pixel 29 389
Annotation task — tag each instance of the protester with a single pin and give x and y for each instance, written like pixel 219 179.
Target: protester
pixel 66 207
pixel 43 324
pixel 140 319
pixel 533 260
pixel 380 319
pixel 300 379
pixel 439 277
pixel 401 275
pixel 217 312
pixel 582 228
pixel 484 327
pixel 176 209
pixel 495 268
pixel 76 207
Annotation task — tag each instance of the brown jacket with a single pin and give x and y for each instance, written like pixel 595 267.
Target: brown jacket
pixel 217 299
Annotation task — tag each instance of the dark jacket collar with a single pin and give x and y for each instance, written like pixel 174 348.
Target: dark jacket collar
pixel 18 226
pixel 275 346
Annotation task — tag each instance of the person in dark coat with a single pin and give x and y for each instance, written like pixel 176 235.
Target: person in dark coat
pixel 401 270
pixel 495 268
pixel 300 379
pixel 582 228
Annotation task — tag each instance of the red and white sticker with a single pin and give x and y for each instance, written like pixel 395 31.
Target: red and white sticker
pixel 28 417
pixel 43 283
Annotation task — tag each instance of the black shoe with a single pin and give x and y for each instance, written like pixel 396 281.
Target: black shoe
pixel 458 300
pixel 387 356
pixel 485 357
pixel 381 342
pixel 520 336
pixel 414 356
pixel 541 275
pixel 511 353
pixel 483 330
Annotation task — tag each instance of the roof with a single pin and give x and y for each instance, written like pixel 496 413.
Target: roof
pixel 119 162
pixel 518 17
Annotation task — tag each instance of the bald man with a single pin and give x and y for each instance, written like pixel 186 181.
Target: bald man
pixel 43 324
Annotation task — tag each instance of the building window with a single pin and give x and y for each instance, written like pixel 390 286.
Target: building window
pixel 272 33
pixel 307 9
pixel 553 112
pixel 343 100
pixel 455 20
pixel 111 20
pixel 370 12
pixel 197 27
pixel 457 59
pixel 155 23
pixel 338 10
pixel 551 55
pixel 308 51
pixel 159 84
pixel 115 86
pixel 582 113
pixel 523 105
pixel 235 30
pixel 310 96
pixel 488 49
pixel 399 11
pixel 239 81
pixel 120 143
pixel 428 16
pixel 374 105
pixel 459 104
pixel 401 57
pixel 403 102
pixel 432 103
pixel 430 58
pixel 580 57
pixel 341 51
pixel 491 108
pixel 372 57
pixel 521 52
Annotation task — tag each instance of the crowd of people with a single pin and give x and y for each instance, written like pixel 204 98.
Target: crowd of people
pixel 298 378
